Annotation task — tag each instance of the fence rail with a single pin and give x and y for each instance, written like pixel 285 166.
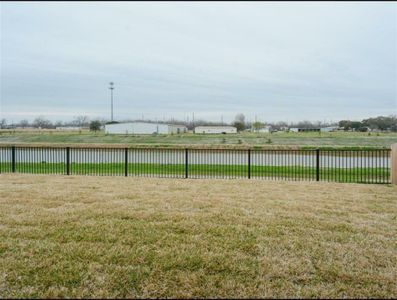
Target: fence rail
pixel 364 166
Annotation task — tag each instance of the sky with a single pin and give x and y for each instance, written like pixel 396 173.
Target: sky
pixel 271 61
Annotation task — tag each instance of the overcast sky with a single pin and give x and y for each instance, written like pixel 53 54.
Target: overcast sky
pixel 279 61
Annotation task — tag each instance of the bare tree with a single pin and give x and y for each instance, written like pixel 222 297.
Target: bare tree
pixel 24 123
pixel 41 122
pixel 3 123
pixel 81 121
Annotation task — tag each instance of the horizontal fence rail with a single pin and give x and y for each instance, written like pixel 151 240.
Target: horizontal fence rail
pixel 361 166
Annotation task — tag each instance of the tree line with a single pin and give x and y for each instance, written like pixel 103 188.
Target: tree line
pixel 382 123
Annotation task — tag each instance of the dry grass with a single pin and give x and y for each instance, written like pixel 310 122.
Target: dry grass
pixel 134 237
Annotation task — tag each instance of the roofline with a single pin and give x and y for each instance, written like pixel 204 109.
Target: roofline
pixel 145 123
pixel 216 126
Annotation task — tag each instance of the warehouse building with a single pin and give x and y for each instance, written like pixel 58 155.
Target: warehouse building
pixel 215 129
pixel 144 128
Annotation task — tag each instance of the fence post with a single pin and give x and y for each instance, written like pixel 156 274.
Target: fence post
pixel 13 163
pixel 249 163
pixel 67 160
pixel 393 170
pixel 126 162
pixel 186 163
pixel 317 164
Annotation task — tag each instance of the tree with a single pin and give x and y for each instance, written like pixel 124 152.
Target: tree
pixel 24 123
pixel 382 123
pixel 95 125
pixel 3 123
pixel 112 122
pixel 41 122
pixel 258 125
pixel 239 122
pixel 356 125
pixel 307 124
pixel 346 124
pixel 81 121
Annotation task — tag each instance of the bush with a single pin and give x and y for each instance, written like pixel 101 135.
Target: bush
pixel 95 126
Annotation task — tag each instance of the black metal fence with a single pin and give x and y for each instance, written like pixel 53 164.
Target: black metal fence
pixel 365 166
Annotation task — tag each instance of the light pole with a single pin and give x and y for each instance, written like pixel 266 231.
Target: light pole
pixel 111 100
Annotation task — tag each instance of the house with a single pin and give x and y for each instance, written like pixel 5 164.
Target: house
pixel 144 128
pixel 215 129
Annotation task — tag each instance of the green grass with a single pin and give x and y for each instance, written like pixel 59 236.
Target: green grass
pixel 108 237
pixel 362 175
pixel 350 140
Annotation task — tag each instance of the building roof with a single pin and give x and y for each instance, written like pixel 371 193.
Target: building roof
pixel 220 126
pixel 143 122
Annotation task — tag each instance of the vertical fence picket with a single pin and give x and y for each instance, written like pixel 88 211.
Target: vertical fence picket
pixel 365 166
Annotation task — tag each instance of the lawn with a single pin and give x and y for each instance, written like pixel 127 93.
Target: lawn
pixel 358 175
pixel 73 236
pixel 302 139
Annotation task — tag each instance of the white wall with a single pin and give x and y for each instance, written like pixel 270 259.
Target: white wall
pixel 215 129
pixel 328 129
pixel 136 128
pixel 143 128
pixel 174 129
pixel 264 130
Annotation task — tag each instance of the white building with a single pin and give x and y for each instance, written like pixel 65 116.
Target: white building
pixel 215 129
pixel 265 129
pixel 144 128
pixel 329 129
pixel 68 128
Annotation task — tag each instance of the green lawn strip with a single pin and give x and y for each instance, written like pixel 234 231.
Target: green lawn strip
pixel 205 170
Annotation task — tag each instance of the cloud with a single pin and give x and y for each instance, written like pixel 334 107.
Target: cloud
pixel 274 60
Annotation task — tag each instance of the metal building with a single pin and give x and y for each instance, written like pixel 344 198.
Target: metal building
pixel 215 129
pixel 144 128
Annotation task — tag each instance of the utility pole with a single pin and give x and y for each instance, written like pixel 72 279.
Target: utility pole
pixel 111 88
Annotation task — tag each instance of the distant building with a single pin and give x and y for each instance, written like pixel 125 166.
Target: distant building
pixel 144 128
pixel 261 130
pixel 215 129
pixel 329 129
pixel 295 129
pixel 68 128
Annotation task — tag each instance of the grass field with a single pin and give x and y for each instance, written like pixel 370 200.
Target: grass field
pixel 138 237
pixel 308 139
pixel 358 175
